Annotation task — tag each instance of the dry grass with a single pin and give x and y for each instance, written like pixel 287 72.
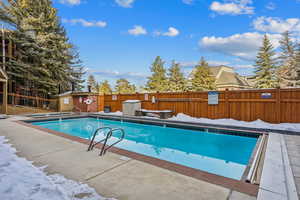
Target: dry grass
pixel 19 110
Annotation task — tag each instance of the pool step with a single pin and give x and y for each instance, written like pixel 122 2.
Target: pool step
pixel 109 134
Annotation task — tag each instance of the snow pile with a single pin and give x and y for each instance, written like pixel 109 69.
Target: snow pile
pixel 227 122
pixel 155 111
pixel 118 113
pixel 132 101
pixel 232 122
pixel 19 179
pixel 3 116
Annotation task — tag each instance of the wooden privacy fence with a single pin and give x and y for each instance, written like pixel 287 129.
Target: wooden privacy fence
pixel 32 101
pixel 271 105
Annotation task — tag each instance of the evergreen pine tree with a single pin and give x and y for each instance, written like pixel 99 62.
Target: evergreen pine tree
pixel 92 83
pixel 76 70
pixel 158 80
pixel 124 87
pixel 176 80
pixel 105 88
pixel 45 56
pixel 142 89
pixel 201 78
pixel 297 66
pixel 266 66
pixel 287 71
pixel 97 88
pixel 28 69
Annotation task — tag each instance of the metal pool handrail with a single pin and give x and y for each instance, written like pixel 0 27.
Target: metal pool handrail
pixel 103 150
pixel 255 164
pixel 109 134
pixel 92 144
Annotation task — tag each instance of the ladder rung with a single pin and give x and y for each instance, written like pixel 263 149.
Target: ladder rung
pixel 109 135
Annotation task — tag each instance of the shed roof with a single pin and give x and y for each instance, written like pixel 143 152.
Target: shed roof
pixel 77 93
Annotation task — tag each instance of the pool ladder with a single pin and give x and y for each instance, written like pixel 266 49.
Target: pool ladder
pixel 109 135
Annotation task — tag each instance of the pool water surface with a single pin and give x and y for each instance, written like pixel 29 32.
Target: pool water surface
pixel 221 154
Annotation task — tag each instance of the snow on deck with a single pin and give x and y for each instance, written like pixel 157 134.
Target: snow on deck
pixel 20 179
pixel 118 113
pixel 232 122
pixel 132 101
pixel 227 122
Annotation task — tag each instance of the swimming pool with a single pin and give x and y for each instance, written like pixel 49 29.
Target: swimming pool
pixel 221 154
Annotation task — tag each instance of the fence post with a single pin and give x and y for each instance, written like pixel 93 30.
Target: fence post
pixel 4 98
pixel 278 105
pixel 157 102
pixel 119 103
pixel 37 101
pixel 227 105
pixel 137 96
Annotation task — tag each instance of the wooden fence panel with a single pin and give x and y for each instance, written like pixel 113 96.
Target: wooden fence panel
pixel 31 101
pixel 290 105
pixel 101 102
pixel 280 105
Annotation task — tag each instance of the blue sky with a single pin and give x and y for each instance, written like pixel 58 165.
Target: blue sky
pixel 121 38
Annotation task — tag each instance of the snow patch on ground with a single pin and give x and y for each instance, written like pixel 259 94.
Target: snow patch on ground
pixel 132 101
pixel 232 122
pixel 19 179
pixel 155 111
pixel 118 113
pixel 3 116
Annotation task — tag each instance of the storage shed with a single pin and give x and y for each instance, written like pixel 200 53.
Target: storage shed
pixel 65 102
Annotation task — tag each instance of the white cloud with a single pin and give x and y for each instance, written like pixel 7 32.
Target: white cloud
pixel 112 76
pixel 137 30
pixel 188 64
pixel 70 2
pixel 243 46
pixel 172 32
pixel 276 25
pixel 271 6
pixel 125 3
pixel 232 7
pixel 85 23
pixel 210 62
pixel 117 74
pixel 243 66
pixel 189 2
pixel 216 62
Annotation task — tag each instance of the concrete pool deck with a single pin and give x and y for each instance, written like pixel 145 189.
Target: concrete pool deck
pixel 112 175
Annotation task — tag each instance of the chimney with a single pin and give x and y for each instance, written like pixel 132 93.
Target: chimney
pixel 73 86
pixel 59 89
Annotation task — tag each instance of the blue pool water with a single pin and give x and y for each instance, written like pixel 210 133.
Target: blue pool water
pixel 221 154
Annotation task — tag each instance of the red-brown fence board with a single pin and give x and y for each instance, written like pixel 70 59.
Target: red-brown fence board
pixel 246 105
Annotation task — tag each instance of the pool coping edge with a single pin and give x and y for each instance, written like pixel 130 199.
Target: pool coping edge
pixel 237 185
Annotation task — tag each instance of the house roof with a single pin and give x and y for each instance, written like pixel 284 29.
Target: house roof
pixel 78 93
pixel 251 80
pixel 229 78
pixel 65 94
pixel 226 76
pixel 215 70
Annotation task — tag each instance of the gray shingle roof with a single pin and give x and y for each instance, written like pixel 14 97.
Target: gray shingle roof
pixel 229 78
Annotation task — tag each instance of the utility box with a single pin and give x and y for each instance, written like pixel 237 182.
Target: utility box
pixel 130 106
